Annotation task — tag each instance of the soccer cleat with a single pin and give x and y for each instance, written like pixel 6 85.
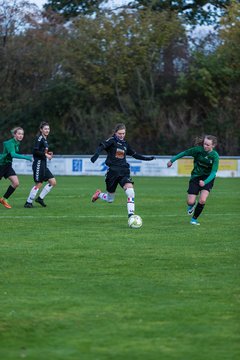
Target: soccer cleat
pixel 28 205
pixel 190 209
pixel 95 195
pixel 5 203
pixel 40 201
pixel 194 222
pixel 129 215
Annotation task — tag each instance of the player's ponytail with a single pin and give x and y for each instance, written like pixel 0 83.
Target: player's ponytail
pixel 198 140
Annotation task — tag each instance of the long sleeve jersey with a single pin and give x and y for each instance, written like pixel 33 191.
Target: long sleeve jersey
pixel 40 148
pixel 205 163
pixel 117 150
pixel 10 151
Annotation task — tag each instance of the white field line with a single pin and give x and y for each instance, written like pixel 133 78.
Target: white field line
pixel 100 216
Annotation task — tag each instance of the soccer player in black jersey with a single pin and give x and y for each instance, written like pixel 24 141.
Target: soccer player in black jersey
pixel 119 170
pixel 10 151
pixel 206 161
pixel 41 173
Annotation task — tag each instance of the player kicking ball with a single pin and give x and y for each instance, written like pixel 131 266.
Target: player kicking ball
pixel 118 173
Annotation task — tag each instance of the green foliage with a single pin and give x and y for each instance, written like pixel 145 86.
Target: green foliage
pixel 195 12
pixel 71 9
pixel 136 67
pixel 77 283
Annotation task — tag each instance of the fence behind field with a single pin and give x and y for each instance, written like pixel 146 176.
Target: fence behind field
pixel 81 165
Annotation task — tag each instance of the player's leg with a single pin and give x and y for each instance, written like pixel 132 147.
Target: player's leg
pixel 48 187
pixel 204 193
pixel 10 190
pixel 201 203
pixel 107 196
pixel 111 184
pixel 38 176
pixel 51 182
pixel 193 191
pixel 129 191
pixel 191 202
pixel 32 195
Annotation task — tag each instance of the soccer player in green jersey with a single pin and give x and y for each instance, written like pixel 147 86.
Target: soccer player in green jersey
pixel 206 161
pixel 10 151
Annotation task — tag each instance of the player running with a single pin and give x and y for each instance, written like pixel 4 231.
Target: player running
pixel 206 161
pixel 10 151
pixel 41 173
pixel 119 170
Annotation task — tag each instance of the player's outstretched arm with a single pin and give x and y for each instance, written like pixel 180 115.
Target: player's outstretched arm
pixel 97 153
pixel 142 157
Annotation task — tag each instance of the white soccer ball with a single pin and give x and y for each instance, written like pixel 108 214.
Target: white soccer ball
pixel 135 222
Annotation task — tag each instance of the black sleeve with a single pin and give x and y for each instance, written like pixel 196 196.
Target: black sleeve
pixel 142 157
pixel 97 153
pixel 99 149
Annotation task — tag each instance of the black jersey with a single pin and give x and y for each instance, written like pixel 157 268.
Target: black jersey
pixel 40 148
pixel 117 150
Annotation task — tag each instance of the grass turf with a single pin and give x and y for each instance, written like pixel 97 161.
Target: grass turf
pixel 77 283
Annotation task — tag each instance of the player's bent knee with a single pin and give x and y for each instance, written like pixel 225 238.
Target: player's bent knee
pixel 53 182
pixel 130 193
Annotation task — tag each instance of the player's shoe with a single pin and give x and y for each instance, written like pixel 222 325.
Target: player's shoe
pixel 40 201
pixel 5 203
pixel 28 205
pixel 129 215
pixel 190 209
pixel 96 195
pixel 194 222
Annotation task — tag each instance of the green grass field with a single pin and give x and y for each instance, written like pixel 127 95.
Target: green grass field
pixel 77 283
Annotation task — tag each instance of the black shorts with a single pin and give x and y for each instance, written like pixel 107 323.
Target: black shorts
pixel 40 171
pixel 115 177
pixel 194 187
pixel 6 171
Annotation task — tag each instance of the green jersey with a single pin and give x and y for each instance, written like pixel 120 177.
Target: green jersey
pixel 205 163
pixel 10 151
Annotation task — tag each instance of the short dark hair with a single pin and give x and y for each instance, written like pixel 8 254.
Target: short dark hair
pixel 42 124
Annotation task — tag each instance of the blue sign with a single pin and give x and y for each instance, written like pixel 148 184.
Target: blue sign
pixel 77 165
pixel 135 168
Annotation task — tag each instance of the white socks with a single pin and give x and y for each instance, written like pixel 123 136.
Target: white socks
pixel 34 192
pixel 110 198
pixel 47 188
pixel 130 200
pixel 107 197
